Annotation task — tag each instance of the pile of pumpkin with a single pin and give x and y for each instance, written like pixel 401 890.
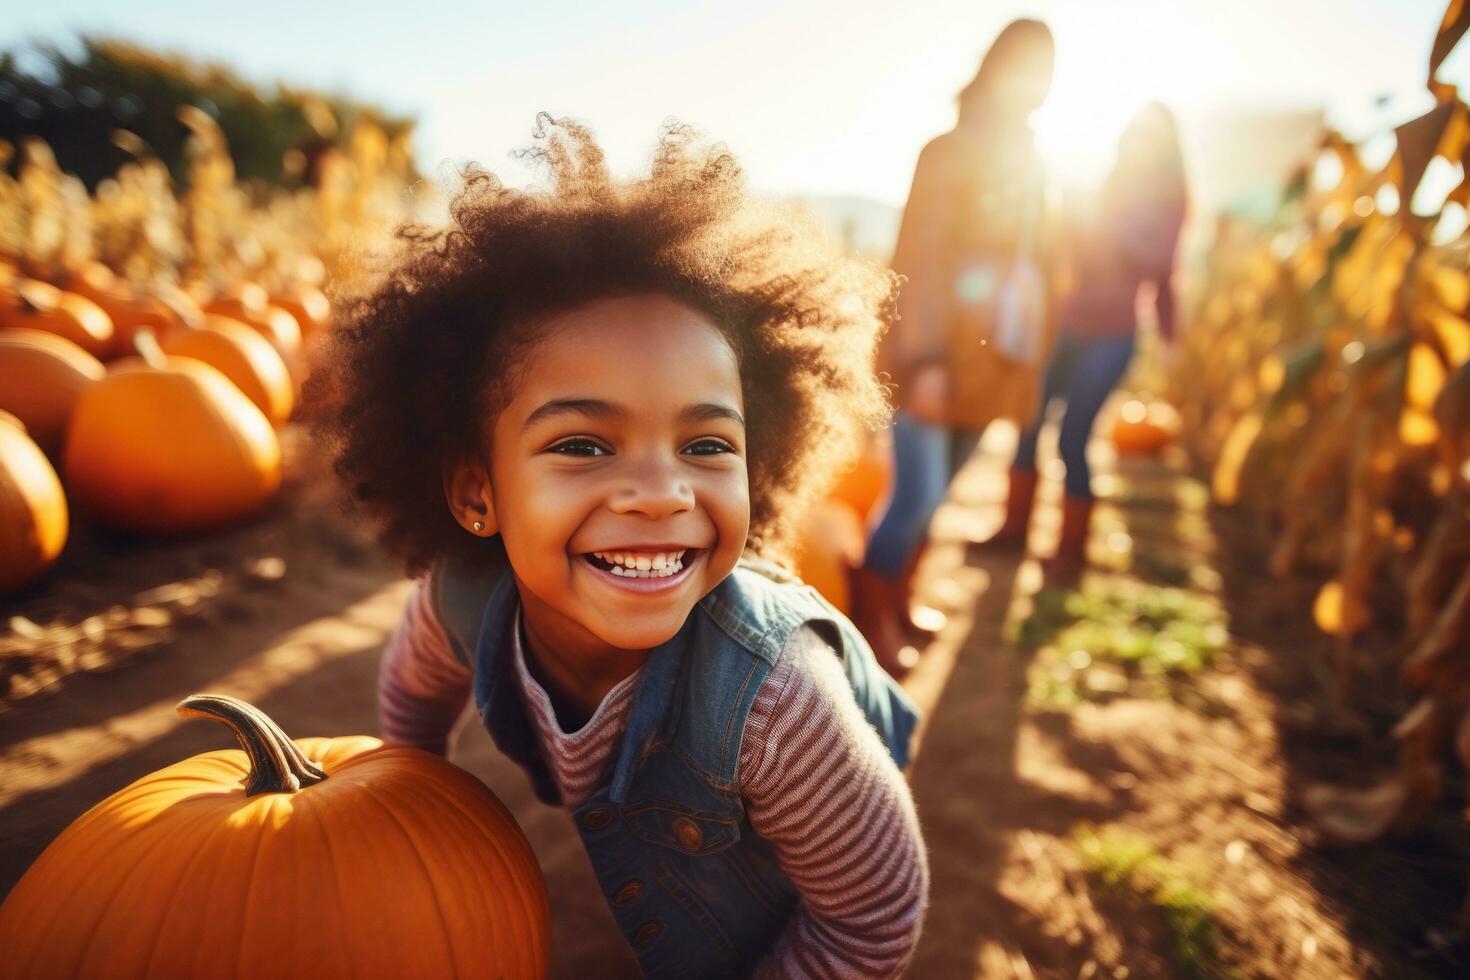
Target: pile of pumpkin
pixel 157 407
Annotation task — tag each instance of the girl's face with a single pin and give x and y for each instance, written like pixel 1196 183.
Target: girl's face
pixel 617 473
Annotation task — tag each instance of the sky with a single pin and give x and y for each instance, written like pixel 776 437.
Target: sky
pixel 813 96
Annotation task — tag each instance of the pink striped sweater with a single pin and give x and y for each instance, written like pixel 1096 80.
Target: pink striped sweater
pixel 816 779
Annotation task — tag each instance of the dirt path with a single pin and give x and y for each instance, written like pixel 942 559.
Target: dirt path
pixel 1028 805
pixel 1019 799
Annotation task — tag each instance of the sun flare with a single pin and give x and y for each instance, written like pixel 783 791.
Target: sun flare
pixel 1097 88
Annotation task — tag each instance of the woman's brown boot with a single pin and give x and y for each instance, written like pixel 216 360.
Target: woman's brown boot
pixel 1064 569
pixel 1020 492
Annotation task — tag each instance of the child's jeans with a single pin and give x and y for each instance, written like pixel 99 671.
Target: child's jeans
pixel 1083 372
pixel 925 460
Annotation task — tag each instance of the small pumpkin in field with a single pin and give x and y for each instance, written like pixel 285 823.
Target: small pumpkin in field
pixel 128 309
pixel 243 356
pixel 831 544
pixel 131 314
pixel 308 305
pixel 169 445
pixel 1144 429
pixel 41 378
pixel 36 305
pixel 866 484
pixel 323 857
pixel 92 279
pixel 33 515
pixel 251 305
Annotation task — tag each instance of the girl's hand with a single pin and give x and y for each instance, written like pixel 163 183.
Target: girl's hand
pixel 928 396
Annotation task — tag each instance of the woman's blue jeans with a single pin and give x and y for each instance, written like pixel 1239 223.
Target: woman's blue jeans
pixel 925 460
pixel 1083 371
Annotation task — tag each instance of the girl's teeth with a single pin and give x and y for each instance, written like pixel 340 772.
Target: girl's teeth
pixel 669 568
pixel 644 562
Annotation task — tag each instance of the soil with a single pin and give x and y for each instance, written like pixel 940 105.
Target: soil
pixel 291 609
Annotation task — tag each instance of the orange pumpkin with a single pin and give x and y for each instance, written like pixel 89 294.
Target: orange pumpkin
pixel 169 445
pixel 831 543
pixel 309 306
pixel 243 356
pixel 180 302
pixel 33 516
pixel 865 485
pixel 324 857
pixel 93 279
pixel 129 310
pixel 133 313
pixel 1144 429
pixel 36 305
pixel 41 378
pixel 249 304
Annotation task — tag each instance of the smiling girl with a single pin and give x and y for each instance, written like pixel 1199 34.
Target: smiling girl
pixel 588 419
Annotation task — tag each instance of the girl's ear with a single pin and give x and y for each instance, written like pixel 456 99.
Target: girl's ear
pixel 470 498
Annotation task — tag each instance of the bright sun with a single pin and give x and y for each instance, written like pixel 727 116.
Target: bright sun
pixel 1094 94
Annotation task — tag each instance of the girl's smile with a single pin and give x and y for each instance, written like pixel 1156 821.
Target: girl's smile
pixel 644 570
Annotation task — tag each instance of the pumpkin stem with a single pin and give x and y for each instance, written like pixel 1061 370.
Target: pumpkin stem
pixel 149 349
pixel 276 764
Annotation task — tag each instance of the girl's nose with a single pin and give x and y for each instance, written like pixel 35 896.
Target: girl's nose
pixel 653 487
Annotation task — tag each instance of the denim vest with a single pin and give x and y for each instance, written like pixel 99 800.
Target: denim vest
pixel 696 892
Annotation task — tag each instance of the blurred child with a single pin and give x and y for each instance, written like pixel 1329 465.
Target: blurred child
pixel 1129 242
pixel 592 414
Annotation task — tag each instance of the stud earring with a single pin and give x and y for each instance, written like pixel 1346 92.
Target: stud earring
pixel 479 525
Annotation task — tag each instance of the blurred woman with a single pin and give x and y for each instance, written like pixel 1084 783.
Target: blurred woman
pixel 968 245
pixel 1129 242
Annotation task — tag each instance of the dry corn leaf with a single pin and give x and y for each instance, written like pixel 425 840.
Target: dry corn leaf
pixel 1417 428
pixel 1446 285
pixel 1338 612
pixel 1226 479
pixel 1450 633
pixel 1452 28
pixel 1426 376
pixel 1452 332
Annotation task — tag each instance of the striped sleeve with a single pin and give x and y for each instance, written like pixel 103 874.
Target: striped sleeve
pixel 822 788
pixel 422 686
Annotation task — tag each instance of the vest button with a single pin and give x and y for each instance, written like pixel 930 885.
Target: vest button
pixel 647 932
pixel 687 832
pixel 627 892
pixel 597 819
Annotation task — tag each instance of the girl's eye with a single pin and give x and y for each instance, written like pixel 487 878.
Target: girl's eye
pixel 708 447
pixel 578 447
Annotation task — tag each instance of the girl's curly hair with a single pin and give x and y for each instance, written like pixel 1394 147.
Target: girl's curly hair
pixel 414 368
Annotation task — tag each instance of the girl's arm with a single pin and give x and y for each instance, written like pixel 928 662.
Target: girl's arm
pixel 821 787
pixel 422 686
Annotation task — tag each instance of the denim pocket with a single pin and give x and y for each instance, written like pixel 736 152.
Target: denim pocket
pixel 680 828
